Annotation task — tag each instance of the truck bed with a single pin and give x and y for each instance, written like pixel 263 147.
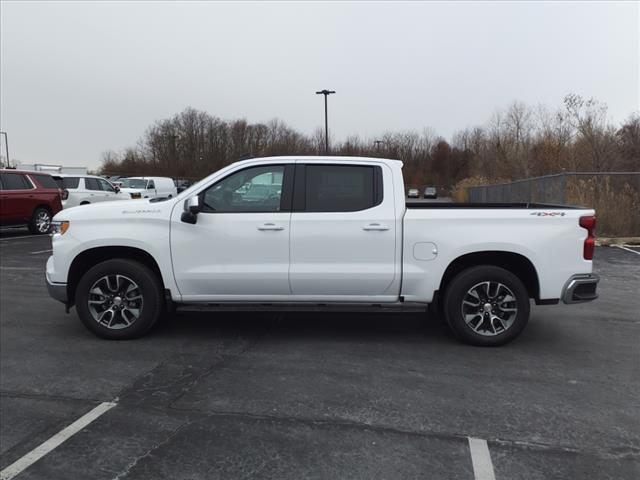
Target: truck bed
pixel 533 206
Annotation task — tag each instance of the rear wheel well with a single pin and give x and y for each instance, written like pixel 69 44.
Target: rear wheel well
pixel 515 263
pixel 87 259
pixel 42 205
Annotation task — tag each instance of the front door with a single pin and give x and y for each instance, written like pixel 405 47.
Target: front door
pixel 108 192
pixel 239 247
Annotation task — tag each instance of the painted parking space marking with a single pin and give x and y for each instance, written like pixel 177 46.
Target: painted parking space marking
pixel 4 239
pixel 481 459
pixel 29 269
pixel 627 249
pixel 41 450
pixel 42 251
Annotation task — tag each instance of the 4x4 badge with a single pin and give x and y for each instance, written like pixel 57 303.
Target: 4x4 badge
pixel 548 214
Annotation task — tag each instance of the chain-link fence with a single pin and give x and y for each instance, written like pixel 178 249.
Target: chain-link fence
pixel 614 195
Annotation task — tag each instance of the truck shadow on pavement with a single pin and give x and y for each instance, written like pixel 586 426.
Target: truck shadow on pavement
pixel 376 327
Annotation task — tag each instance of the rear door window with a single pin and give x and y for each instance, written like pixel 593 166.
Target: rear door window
pixel 70 182
pixel 342 188
pixel 15 181
pixel 45 181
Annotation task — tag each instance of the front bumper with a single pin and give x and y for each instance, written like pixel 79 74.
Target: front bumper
pixel 57 290
pixel 580 288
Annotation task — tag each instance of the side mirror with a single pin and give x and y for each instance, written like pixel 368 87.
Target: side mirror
pixel 191 209
pixel 192 205
pixel 116 188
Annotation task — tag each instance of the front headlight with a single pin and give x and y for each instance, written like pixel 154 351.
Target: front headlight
pixel 59 227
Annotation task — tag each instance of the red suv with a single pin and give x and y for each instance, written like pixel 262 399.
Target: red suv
pixel 28 198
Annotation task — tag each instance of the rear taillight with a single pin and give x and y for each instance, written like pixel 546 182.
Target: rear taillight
pixel 590 242
pixel 64 194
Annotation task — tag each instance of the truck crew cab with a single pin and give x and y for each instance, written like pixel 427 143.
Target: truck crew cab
pixel 319 231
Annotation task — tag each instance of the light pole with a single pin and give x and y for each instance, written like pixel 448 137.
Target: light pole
pixel 6 146
pixel 326 93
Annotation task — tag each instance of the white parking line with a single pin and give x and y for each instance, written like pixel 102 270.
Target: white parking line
pixel 60 437
pixel 627 249
pixel 42 251
pixel 481 459
pixel 16 238
pixel 31 269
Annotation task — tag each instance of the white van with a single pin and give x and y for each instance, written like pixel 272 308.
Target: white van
pixel 86 189
pixel 148 187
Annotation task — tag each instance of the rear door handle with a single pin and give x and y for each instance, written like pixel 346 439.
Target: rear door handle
pixel 375 227
pixel 270 226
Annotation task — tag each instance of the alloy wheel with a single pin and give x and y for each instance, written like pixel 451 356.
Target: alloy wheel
pixel 43 221
pixel 115 301
pixel 489 308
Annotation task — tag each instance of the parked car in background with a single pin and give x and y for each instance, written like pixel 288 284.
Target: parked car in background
pixel 431 192
pixel 182 185
pixel 86 189
pixel 116 179
pixel 28 198
pixel 413 193
pixel 148 187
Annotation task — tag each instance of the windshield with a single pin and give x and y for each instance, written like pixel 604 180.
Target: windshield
pixel 133 183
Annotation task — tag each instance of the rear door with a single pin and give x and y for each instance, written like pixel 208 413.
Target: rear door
pixel 343 232
pixel 17 198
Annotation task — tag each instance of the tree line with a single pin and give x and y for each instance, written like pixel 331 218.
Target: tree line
pixel 519 141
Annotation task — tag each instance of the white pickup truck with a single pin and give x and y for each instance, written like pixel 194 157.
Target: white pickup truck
pixel 300 232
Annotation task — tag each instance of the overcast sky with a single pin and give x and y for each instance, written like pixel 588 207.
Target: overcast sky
pixel 82 78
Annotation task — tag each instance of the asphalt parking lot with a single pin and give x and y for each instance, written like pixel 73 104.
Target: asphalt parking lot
pixel 313 395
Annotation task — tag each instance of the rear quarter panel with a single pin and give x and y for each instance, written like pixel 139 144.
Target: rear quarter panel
pixel 551 239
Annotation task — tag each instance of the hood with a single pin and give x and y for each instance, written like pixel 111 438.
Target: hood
pixel 123 209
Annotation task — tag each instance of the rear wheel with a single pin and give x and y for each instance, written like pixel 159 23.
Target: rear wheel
pixel 486 305
pixel 119 299
pixel 41 221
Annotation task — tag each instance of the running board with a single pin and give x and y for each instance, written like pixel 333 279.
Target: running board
pixel 302 307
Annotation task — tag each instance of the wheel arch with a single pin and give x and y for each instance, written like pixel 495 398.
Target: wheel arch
pixel 46 206
pixel 88 258
pixel 515 263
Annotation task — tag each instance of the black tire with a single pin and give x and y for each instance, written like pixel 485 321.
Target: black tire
pixel 40 223
pixel 85 203
pixel 150 289
pixel 488 335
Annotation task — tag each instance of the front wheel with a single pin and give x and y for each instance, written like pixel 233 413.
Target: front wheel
pixel 119 299
pixel 40 221
pixel 486 306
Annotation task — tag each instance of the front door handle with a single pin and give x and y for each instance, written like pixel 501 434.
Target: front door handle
pixel 270 226
pixel 375 227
